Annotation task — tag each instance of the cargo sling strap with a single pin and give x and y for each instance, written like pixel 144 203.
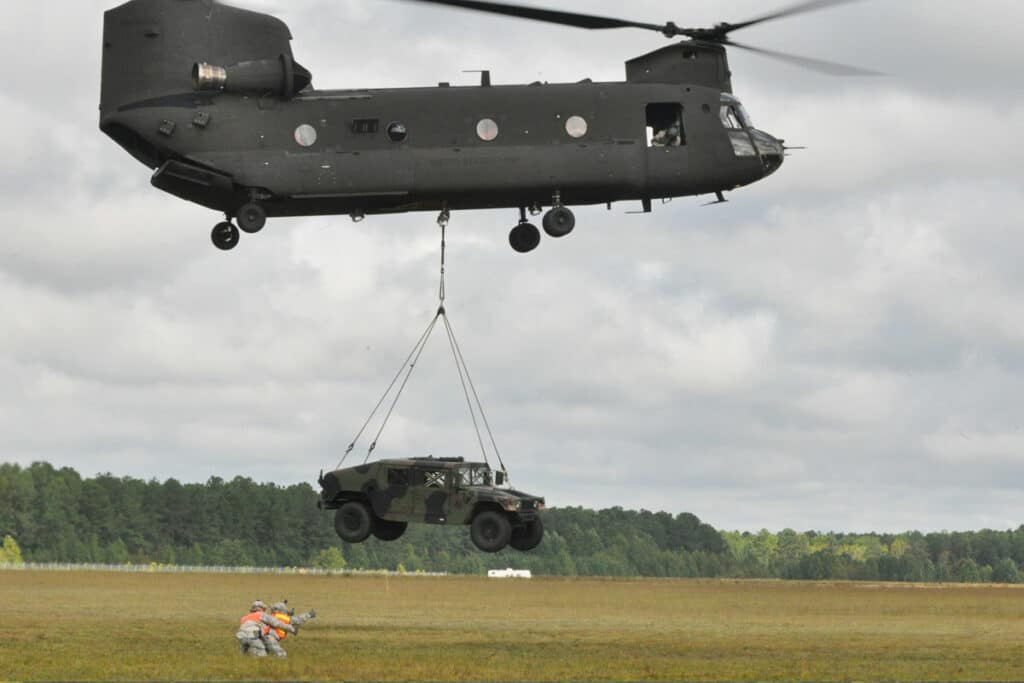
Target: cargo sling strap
pixel 409 364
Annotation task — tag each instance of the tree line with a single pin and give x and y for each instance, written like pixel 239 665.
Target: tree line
pixel 55 515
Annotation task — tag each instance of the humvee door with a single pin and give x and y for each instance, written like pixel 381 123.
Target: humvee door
pixel 396 502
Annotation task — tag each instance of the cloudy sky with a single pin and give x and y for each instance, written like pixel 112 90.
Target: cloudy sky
pixel 840 347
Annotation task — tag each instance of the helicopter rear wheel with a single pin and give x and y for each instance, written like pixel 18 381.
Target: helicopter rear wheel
pixel 524 237
pixel 559 221
pixel 225 236
pixel 251 217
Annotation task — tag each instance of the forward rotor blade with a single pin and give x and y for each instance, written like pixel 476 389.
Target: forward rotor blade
pixel 551 16
pixel 831 68
pixel 799 8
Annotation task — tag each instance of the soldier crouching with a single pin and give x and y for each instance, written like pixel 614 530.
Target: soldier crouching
pixel 273 635
pixel 251 630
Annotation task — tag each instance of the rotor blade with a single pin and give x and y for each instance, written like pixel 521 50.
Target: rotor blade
pixel 831 68
pixel 550 16
pixel 799 8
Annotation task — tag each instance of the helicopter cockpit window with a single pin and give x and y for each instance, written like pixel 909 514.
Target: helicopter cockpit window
pixel 729 117
pixel 665 124
pixel 733 115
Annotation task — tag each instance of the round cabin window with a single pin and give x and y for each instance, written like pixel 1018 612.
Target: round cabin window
pixel 576 126
pixel 397 131
pixel 487 129
pixel 305 135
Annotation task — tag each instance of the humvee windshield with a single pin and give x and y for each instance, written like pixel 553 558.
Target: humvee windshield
pixel 474 475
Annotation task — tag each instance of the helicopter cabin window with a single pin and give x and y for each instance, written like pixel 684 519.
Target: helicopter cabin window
pixel 487 129
pixel 665 124
pixel 398 476
pixel 305 135
pixel 397 131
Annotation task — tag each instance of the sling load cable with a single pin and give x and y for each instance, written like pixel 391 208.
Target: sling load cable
pixel 408 367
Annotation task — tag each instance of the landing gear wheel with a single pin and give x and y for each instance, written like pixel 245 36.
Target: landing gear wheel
pixel 225 236
pixel 353 521
pixel 524 237
pixel 251 217
pixel 490 531
pixel 386 530
pixel 559 221
pixel 527 537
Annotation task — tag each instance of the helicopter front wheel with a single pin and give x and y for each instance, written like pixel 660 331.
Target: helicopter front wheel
pixel 225 236
pixel 524 237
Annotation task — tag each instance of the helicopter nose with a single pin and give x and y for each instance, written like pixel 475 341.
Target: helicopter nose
pixel 771 151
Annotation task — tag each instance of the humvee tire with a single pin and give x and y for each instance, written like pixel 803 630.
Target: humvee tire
pixel 386 530
pixel 527 537
pixel 490 531
pixel 353 521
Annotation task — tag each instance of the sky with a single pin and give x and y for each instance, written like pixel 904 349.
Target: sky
pixel 840 347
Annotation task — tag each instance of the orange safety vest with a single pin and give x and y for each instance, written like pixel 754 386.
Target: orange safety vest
pixel 281 634
pixel 251 616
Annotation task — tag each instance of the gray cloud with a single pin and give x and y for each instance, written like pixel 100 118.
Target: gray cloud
pixel 836 348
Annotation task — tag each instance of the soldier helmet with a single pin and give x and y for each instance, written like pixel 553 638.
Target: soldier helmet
pixel 257 606
pixel 280 607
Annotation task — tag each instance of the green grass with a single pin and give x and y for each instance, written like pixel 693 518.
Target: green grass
pixel 114 626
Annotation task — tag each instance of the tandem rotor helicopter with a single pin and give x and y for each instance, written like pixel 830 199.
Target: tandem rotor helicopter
pixel 211 98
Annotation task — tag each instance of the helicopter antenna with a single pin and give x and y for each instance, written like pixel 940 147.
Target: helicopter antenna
pixel 717 34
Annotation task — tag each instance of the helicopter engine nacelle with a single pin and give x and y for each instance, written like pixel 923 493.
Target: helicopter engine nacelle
pixel 281 77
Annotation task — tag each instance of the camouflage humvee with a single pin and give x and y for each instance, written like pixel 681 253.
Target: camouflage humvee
pixel 382 497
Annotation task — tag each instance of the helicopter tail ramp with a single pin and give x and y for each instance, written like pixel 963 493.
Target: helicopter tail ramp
pixel 150 50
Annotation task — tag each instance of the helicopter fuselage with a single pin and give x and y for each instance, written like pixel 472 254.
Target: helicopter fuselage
pixel 350 163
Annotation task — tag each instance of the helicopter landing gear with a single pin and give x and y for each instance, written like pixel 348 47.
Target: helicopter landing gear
pixel 559 221
pixel 251 217
pixel 525 236
pixel 224 236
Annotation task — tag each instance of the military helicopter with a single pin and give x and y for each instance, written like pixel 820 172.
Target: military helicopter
pixel 211 98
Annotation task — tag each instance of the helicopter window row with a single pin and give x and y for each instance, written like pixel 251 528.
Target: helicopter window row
pixel 665 124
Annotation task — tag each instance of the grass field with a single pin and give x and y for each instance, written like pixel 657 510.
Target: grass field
pixel 120 626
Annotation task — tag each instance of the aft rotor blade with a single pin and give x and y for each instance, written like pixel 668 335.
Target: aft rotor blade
pixel 800 8
pixel 830 68
pixel 551 16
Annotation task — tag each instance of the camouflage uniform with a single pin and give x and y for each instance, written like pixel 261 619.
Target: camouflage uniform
pixel 250 632
pixel 271 638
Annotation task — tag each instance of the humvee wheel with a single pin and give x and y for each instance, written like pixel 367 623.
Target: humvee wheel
pixel 527 537
pixel 353 521
pixel 490 531
pixel 386 530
